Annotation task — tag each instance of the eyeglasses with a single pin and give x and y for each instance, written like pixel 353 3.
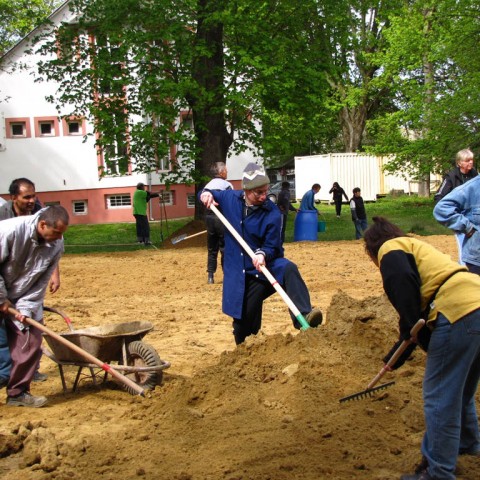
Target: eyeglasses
pixel 259 193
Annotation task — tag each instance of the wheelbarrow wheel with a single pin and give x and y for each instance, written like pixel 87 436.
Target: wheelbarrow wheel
pixel 140 354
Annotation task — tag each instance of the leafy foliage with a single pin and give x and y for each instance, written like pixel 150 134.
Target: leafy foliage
pixel 432 69
pixel 17 18
pixel 278 77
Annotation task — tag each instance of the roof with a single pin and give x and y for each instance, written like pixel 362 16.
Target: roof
pixel 35 30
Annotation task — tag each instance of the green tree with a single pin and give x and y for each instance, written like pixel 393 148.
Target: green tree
pixel 352 35
pixel 231 67
pixel 18 18
pixel 431 67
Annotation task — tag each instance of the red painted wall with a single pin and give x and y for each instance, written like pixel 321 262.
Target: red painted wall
pixel 99 213
pixel 97 203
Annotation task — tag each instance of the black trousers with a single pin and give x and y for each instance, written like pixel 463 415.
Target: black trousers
pixel 215 241
pixel 143 228
pixel 284 226
pixel 256 291
pixel 338 206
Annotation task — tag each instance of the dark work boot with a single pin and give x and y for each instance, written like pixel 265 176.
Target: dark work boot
pixel 210 278
pixel 315 318
pixel 422 466
pixel 417 476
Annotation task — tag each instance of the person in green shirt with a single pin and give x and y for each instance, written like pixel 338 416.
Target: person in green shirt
pixel 140 199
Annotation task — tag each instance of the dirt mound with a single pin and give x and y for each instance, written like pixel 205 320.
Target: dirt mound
pixel 266 410
pixel 191 228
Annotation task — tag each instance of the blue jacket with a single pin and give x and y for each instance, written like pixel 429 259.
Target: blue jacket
pixel 308 201
pixel 261 231
pixel 460 211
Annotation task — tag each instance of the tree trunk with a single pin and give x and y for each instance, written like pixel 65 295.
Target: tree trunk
pixel 213 138
pixel 424 186
pixel 429 79
pixel 352 121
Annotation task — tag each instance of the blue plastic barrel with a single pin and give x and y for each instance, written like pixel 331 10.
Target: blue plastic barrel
pixel 306 225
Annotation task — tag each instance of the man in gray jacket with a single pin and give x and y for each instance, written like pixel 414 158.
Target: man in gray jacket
pixel 23 201
pixel 30 249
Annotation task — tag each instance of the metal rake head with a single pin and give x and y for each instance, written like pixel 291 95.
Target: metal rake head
pixel 178 239
pixel 366 393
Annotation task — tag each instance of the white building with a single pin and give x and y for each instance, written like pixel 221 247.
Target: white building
pixel 350 170
pixel 38 144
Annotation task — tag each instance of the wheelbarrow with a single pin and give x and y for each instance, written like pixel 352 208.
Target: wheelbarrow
pixel 121 343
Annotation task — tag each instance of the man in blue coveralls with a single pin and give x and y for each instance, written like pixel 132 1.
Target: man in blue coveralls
pixel 258 220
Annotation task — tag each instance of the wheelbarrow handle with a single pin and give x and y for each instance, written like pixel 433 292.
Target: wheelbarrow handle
pixel 67 319
pixel 300 318
pixel 88 356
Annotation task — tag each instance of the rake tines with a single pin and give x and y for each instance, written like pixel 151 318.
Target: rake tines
pixel 183 237
pixel 366 393
pixel 387 367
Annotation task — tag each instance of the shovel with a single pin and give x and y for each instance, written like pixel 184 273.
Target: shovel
pixel 370 387
pixel 89 357
pixel 300 318
pixel 183 237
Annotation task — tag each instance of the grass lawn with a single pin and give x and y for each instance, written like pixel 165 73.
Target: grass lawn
pixel 411 213
pixel 116 237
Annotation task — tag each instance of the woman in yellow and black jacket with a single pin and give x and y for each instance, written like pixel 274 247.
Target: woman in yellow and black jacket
pixel 422 282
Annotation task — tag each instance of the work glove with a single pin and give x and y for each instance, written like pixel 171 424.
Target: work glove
pixel 403 357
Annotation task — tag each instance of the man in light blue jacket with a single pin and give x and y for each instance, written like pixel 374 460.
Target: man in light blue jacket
pixel 308 200
pixel 460 211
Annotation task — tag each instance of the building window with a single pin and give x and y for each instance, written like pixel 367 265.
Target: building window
pixel 187 120
pixel 49 204
pixel 119 201
pixel 46 127
pixel 18 127
pixel 191 200
pixel 166 198
pixel 79 207
pixel 74 126
pixel 114 156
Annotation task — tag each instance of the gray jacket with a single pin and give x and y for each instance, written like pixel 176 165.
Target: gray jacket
pixel 25 264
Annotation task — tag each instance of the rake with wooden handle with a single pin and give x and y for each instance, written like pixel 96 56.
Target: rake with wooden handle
pixel 86 355
pixel 300 318
pixel 371 386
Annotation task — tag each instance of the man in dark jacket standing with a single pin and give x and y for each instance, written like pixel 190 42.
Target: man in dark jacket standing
pixel 462 172
pixel 257 220
pixel 359 214
pixel 215 228
pixel 284 205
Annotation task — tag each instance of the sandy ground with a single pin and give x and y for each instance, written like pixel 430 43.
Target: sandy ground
pixel 267 410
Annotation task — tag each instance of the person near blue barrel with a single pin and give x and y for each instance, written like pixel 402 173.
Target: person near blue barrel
pixel 308 200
